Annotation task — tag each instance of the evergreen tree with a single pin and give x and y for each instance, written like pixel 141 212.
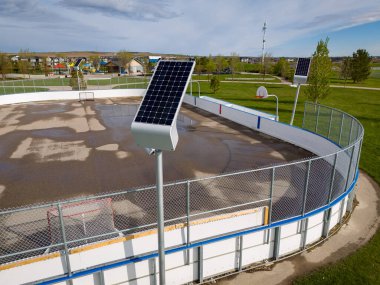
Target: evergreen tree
pixel 320 71
pixel 214 84
pixel 361 65
pixel 77 78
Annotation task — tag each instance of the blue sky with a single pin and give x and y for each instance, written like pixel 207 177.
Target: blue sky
pixel 190 27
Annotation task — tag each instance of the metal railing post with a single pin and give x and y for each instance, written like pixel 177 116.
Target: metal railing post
pixel 349 167
pixel 350 135
pixel 341 129
pixel 359 153
pixel 101 277
pixel 341 206
pixel 63 232
pixel 276 245
pixel 188 222
pixel 304 115
pixel 23 85
pixel 34 85
pixel 306 186
pixel 200 264
pixel 326 223
pixel 240 265
pixel 330 122
pixel 332 178
pixel 14 88
pixel 304 225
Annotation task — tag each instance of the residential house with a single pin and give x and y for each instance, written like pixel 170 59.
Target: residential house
pixel 135 67
pixel 113 66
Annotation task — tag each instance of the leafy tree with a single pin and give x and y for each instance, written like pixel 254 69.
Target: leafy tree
pixel 124 57
pixel 267 64
pixel 147 65
pixel 77 78
pixel 361 65
pixel 95 59
pixel 5 65
pixel 210 66
pixel 281 68
pixel 214 84
pixel 23 62
pixel 198 66
pixel 319 74
pixel 346 69
pixel 234 63
pixel 220 63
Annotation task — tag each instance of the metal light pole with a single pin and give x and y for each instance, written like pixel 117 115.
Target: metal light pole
pixel 295 103
pixel 160 216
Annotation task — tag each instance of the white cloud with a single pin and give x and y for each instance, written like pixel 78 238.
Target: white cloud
pixel 142 10
pixel 172 26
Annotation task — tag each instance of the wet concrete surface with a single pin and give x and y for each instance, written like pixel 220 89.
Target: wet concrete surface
pixel 58 150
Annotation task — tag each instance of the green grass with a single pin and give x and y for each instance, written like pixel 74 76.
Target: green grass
pixel 372 81
pixel 362 267
pixel 16 90
pixel 116 80
pixel 237 77
pixel 37 82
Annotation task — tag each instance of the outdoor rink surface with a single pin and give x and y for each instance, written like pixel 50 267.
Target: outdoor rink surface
pixel 57 150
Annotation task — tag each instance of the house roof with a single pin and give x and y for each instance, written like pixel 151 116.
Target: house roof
pixel 60 65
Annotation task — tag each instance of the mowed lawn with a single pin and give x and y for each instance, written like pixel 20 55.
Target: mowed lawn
pixel 362 267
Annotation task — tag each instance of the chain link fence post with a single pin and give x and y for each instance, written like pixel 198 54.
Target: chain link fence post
pixel 317 120
pixel 332 178
pixel 188 222
pixel 341 128
pixel 304 115
pixel 63 232
pixel 349 167
pixel 306 186
pixel 271 196
pixel 330 122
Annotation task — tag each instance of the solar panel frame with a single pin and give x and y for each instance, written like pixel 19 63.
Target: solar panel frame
pixel 164 95
pixel 303 66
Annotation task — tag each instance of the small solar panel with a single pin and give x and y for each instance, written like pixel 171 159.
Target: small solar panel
pixel 303 65
pixel 164 93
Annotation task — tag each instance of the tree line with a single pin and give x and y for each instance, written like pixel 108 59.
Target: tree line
pixel 357 68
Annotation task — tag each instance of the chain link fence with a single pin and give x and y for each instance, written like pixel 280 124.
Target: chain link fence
pixel 289 190
pixel 66 84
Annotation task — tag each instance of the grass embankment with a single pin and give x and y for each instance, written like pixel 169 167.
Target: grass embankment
pixel 362 267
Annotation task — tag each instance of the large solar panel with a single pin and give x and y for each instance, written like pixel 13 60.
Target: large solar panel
pixel 164 93
pixel 303 65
